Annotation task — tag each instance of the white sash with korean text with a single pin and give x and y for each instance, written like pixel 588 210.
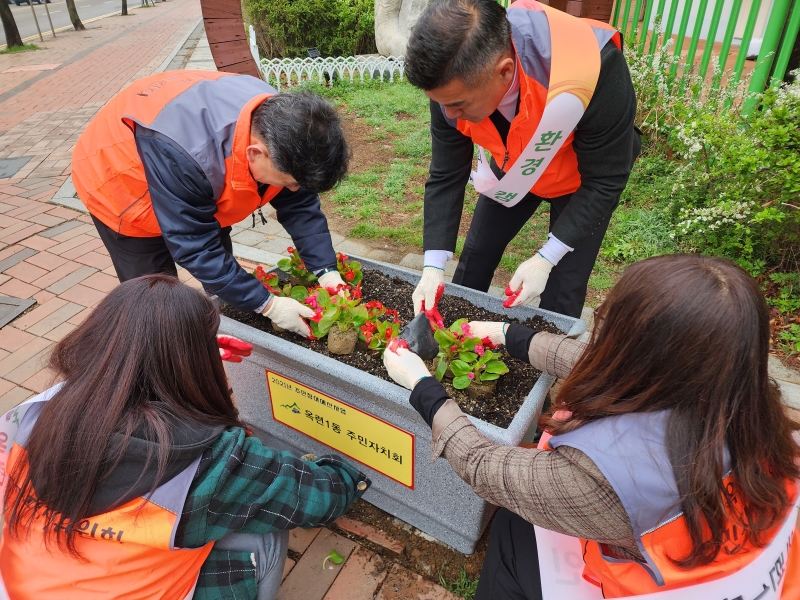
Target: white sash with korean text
pixel 561 568
pixel 559 119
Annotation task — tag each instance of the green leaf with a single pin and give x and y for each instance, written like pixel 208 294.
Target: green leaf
pixel 496 366
pixel 285 265
pixel 298 293
pixel 441 367
pixel 334 557
pixel 486 376
pixel 456 327
pixel 323 296
pixel 359 315
pixel 444 338
pixel 461 382
pixel 459 368
pixel 468 357
pixel 468 345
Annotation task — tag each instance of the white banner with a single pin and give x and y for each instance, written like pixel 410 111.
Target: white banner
pixel 560 117
pixel 561 568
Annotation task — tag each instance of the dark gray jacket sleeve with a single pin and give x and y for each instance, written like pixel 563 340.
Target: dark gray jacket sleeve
pixel 301 216
pixel 451 162
pixel 606 146
pixel 184 205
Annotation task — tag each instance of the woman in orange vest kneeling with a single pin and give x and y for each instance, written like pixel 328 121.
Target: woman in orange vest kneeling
pixel 136 479
pixel 670 469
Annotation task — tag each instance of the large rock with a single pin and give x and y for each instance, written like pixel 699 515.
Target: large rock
pixel 393 22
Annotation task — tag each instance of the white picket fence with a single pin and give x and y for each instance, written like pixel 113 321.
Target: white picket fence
pixel 291 71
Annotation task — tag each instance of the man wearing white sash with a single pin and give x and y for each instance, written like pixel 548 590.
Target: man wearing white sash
pixel 549 96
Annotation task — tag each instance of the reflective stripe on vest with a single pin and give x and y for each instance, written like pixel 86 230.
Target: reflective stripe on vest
pixel 631 452
pixel 206 113
pixel 129 551
pixel 558 59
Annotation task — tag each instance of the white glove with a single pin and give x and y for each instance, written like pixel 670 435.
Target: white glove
pixel 494 330
pixel 405 367
pixel 331 282
pixel 288 314
pixel 429 289
pixel 528 281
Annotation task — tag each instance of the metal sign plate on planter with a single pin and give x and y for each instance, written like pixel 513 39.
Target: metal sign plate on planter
pixel 359 435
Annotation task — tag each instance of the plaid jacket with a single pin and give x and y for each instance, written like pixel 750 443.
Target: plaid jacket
pixel 243 486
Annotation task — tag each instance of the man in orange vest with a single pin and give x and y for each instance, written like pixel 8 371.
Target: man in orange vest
pixel 175 159
pixel 550 97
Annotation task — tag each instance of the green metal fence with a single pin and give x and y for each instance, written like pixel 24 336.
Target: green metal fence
pixel 634 17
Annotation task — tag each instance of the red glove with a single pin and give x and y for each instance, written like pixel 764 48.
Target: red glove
pixel 233 349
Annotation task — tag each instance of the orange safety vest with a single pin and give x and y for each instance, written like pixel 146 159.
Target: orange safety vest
pixel 555 52
pixel 630 450
pixel 129 551
pixel 206 113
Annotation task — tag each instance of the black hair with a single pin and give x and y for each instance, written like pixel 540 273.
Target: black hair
pixel 456 39
pixel 304 137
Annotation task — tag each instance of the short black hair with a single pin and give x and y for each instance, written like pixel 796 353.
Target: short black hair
pixel 304 137
pixel 456 39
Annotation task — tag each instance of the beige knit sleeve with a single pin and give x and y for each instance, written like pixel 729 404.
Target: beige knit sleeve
pixel 561 489
pixel 554 354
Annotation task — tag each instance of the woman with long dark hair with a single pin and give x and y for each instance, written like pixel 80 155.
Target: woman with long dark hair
pixel 135 477
pixel 671 466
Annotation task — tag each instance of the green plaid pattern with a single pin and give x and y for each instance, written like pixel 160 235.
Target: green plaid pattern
pixel 243 486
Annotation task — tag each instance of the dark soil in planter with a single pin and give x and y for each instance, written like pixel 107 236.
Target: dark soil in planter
pixel 512 388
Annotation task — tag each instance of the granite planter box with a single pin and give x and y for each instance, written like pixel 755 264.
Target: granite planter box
pixel 299 400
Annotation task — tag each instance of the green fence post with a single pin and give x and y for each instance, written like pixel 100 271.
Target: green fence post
pixel 687 10
pixel 660 17
pixel 648 12
pixel 712 35
pixel 746 37
pixel 615 17
pixel 772 37
pixel 782 61
pixel 673 11
pixel 725 49
pixel 636 32
pixel 698 29
pixel 625 18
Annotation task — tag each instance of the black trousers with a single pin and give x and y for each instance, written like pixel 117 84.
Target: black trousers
pixel 494 226
pixel 511 567
pixel 137 256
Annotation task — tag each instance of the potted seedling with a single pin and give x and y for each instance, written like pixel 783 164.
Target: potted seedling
pixel 381 327
pixel 468 361
pixel 295 268
pixel 337 316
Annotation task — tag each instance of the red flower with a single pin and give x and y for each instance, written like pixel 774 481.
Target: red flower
pixel 290 250
pixel 389 333
pixel 349 276
pixel 356 292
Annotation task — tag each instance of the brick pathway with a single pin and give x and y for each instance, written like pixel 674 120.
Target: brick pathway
pixel 53 254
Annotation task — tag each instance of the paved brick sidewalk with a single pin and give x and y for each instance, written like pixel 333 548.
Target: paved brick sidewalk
pixel 53 254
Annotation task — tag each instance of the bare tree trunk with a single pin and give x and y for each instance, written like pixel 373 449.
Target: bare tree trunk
pixel 73 16
pixel 9 26
pixel 124 7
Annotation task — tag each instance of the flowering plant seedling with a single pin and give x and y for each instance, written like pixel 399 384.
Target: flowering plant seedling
pixel 295 267
pixel 382 326
pixel 272 283
pixel 350 270
pixel 483 368
pixel 343 311
pixel 467 356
